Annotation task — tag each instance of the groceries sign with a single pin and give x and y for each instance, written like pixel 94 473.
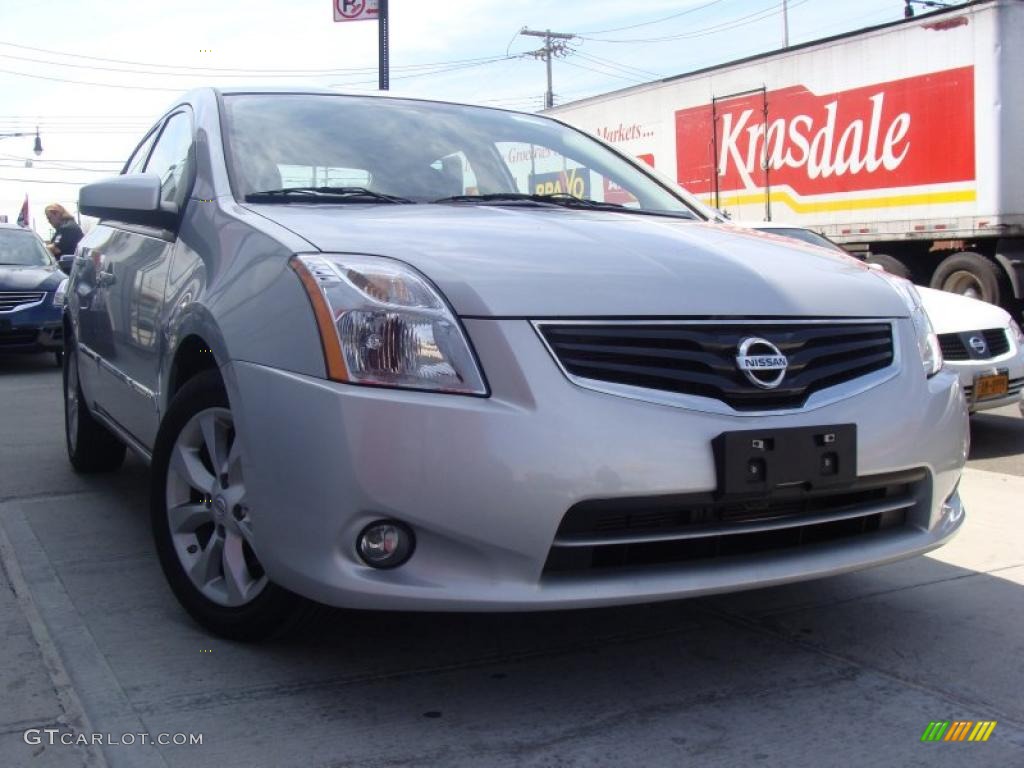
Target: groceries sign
pixel 910 132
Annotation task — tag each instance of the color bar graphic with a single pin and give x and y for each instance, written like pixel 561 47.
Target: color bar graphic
pixel 958 730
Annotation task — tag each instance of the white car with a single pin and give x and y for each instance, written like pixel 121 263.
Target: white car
pixel 979 341
pixel 982 343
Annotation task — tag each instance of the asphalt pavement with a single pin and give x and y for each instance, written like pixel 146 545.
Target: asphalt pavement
pixel 842 671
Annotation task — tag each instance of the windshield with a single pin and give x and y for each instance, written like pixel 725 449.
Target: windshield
pixel 423 152
pixel 22 248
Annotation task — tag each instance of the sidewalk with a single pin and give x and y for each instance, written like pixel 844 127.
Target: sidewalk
pixel 36 692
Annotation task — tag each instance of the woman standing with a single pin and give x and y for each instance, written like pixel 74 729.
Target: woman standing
pixel 67 232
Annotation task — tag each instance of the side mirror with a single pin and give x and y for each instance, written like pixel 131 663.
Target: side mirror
pixel 133 198
pixel 65 263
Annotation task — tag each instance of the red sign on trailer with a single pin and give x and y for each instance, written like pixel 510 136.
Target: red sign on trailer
pixel 355 10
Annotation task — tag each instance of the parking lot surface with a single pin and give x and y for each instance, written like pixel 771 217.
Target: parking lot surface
pixel 843 671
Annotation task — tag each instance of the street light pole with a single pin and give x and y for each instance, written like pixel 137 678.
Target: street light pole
pixel 37 147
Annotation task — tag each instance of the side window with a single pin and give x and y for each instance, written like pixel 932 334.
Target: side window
pixel 139 158
pixel 172 158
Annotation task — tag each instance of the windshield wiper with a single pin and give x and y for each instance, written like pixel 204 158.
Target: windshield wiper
pixel 558 198
pixel 323 194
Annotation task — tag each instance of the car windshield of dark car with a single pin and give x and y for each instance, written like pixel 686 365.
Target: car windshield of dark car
pixel 23 249
pixel 425 152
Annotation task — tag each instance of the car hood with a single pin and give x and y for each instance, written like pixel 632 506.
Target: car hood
pixel 13 278
pixel 953 313
pixel 552 262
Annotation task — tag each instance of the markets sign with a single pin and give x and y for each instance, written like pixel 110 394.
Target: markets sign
pixel 901 133
pixel 355 10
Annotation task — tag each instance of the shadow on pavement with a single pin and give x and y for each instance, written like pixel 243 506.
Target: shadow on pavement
pixel 996 435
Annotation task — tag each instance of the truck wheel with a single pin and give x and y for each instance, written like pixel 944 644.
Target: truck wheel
pixel 890 264
pixel 971 275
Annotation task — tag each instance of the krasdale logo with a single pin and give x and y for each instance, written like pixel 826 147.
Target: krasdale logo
pixel 909 132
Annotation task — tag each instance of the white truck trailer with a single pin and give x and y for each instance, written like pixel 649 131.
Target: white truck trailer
pixel 904 140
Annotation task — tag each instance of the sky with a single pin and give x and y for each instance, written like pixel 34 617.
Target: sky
pixel 93 75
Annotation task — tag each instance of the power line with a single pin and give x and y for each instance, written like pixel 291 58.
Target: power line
pixel 634 80
pixel 45 181
pixel 87 82
pixel 242 70
pixel 657 21
pixel 237 73
pixel 625 68
pixel 705 31
pixel 62 160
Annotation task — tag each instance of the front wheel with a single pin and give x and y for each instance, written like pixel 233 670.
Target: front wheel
pixel 202 520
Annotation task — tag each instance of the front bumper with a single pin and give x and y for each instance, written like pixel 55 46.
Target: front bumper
pixel 1012 364
pixel 485 483
pixel 37 328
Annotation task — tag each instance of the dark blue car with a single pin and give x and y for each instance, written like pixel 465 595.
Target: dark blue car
pixel 31 294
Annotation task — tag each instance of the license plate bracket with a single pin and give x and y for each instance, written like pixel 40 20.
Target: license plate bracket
pixel 991 385
pixel 758 461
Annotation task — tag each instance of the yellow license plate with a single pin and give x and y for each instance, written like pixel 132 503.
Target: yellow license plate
pixel 991 386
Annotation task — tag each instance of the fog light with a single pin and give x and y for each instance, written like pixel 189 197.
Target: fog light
pixel 385 544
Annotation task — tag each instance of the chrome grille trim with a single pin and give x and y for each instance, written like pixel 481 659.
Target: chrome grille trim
pixel 704 404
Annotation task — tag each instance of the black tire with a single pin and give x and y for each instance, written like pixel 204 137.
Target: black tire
pixel 91 446
pixel 970 274
pixel 274 611
pixel 890 264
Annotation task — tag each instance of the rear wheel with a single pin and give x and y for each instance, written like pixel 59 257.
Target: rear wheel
pixel 91 447
pixel 971 275
pixel 202 521
pixel 890 264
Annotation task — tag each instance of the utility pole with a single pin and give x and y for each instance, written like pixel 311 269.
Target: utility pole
pixel 554 44
pixel 785 24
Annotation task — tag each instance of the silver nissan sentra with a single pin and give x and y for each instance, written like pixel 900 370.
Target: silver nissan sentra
pixel 394 354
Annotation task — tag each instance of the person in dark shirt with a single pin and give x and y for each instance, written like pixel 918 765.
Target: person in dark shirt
pixel 67 232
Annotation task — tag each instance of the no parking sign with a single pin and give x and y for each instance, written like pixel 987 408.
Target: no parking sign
pixel 355 10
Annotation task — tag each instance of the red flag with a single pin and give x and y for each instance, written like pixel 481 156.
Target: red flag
pixel 23 214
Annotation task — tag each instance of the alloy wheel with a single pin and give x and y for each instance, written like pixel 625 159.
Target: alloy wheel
pixel 210 524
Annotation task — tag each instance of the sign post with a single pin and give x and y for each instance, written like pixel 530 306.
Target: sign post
pixel 361 10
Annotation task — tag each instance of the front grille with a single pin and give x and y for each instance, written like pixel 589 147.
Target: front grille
pixel 957 346
pixel 11 299
pixel 615 533
pixel 700 358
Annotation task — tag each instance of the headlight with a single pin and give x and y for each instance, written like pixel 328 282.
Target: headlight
pixel 58 295
pixel 1017 333
pixel 381 323
pixel 927 341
